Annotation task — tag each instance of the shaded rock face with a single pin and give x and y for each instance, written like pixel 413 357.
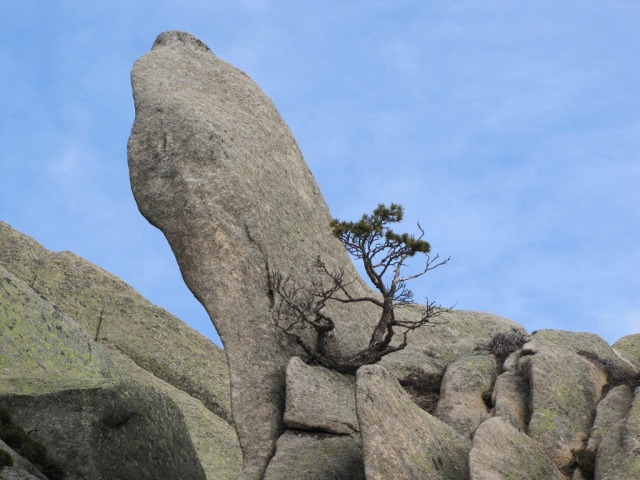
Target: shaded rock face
pixel 215 441
pixel 316 456
pixel 215 168
pixel 21 469
pixel 116 431
pixel 46 354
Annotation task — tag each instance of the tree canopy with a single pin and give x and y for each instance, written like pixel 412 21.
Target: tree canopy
pixel 383 254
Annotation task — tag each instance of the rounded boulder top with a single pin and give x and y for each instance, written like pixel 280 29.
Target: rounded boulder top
pixel 176 37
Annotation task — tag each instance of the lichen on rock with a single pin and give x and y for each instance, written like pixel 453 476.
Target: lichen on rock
pixel 214 166
pixel 399 440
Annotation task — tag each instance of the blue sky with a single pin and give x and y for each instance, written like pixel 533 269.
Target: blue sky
pixel 511 130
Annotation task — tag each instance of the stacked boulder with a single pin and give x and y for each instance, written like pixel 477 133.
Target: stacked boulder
pixel 548 412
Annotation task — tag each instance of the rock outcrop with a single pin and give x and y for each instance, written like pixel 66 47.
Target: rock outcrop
pixel 114 387
pixel 216 169
pixel 629 349
pixel 90 402
pixel 18 468
pixel 94 399
pixel 113 314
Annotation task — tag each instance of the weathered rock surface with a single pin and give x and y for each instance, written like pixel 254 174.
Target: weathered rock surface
pixel 617 435
pixel 502 452
pixel 459 333
pixel 629 348
pixel 588 345
pixel 213 166
pixel 564 391
pixel 465 392
pixel 401 441
pixel 613 408
pixel 214 440
pixel 510 398
pixel 319 399
pixel 316 456
pixel 122 430
pixel 21 468
pixel 112 313
pixel 45 352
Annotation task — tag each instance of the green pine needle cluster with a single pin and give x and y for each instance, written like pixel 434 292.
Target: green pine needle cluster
pixel 374 227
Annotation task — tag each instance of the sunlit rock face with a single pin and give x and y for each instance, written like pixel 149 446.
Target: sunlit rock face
pixel 399 440
pixel 214 166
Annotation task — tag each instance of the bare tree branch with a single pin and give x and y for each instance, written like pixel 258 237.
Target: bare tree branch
pixel 300 310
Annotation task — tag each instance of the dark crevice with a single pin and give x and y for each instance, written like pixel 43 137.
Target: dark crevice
pixel 27 446
pixel 486 398
pixel 526 385
pixel 319 431
pixel 100 317
pixel 36 270
pixel 270 293
pixel 118 420
pixel 423 388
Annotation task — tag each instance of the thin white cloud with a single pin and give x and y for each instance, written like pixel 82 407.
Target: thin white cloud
pixel 509 130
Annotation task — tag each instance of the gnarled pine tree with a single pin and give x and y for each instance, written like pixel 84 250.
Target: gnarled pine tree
pixel 383 254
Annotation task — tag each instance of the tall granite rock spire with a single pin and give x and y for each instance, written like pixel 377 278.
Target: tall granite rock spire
pixel 214 167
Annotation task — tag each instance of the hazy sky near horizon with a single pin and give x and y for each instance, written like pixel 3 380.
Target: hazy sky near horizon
pixel 510 130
